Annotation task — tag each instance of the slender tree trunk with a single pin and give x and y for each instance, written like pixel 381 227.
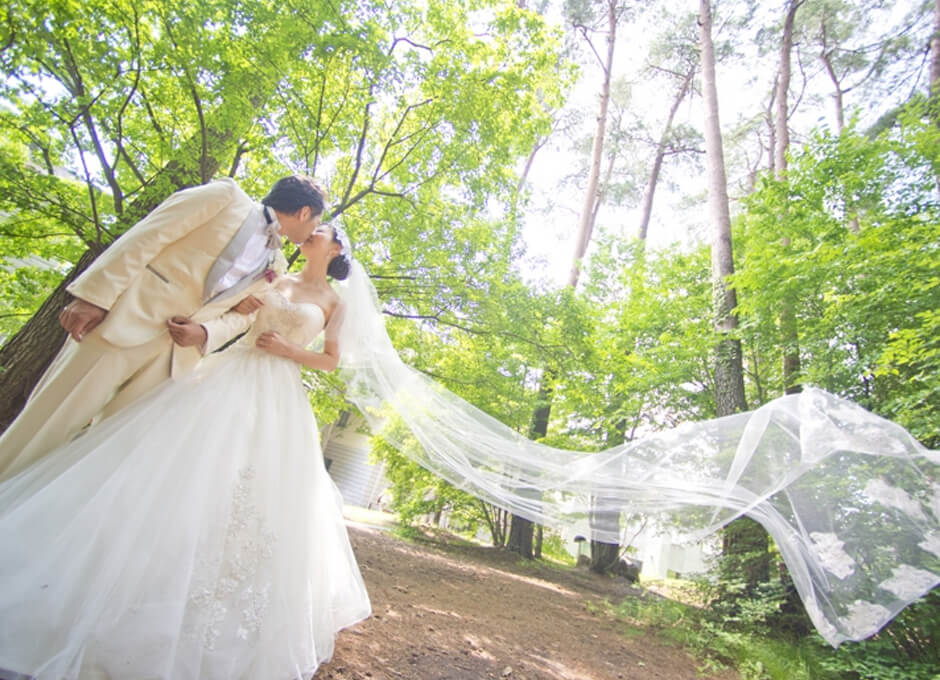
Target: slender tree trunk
pixel 521 533
pixel 26 355
pixel 935 72
pixel 788 322
pixel 935 51
pixel 934 92
pixel 601 552
pixel 729 372
pixel 650 191
pixel 521 530
pixel 782 99
pixel 586 223
pixel 523 178
pixel 771 130
pixel 837 95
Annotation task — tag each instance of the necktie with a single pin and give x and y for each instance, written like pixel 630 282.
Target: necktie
pixel 271 229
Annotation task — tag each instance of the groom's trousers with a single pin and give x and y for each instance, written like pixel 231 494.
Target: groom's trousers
pixel 86 380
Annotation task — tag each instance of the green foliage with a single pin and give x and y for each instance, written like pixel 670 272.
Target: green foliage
pixel 415 492
pixel 763 656
pixel 553 547
pixel 414 115
pixel 650 338
pixel 851 238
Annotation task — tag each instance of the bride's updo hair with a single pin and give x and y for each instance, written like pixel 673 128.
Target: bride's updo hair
pixel 338 268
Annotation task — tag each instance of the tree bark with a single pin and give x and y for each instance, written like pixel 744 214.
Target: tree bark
pixel 26 355
pixel 650 191
pixel 729 372
pixel 934 92
pixel 586 222
pixel 826 57
pixel 788 322
pixel 782 118
pixel 935 51
pixel 521 530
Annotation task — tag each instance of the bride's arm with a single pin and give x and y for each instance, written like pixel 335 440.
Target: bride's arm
pixel 272 342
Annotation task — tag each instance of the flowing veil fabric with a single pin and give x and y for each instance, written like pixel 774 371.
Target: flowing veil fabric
pixel 850 498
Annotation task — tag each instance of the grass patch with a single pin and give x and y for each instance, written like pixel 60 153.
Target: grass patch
pixel 754 657
pixel 385 520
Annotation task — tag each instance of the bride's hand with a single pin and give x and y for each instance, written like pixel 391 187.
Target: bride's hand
pixel 272 342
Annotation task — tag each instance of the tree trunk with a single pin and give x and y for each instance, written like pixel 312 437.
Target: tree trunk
pixel 26 355
pixel 604 556
pixel 650 191
pixel 520 537
pixel 729 373
pixel 935 51
pixel 771 130
pixel 521 530
pixel 586 223
pixel 837 95
pixel 788 323
pixel 935 72
pixel 782 119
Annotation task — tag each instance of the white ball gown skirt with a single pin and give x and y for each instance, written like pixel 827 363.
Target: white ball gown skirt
pixel 195 535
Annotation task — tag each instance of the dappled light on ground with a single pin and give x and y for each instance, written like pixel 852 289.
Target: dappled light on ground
pixel 461 612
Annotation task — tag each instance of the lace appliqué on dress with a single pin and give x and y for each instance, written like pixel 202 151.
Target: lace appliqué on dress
pixel 864 617
pixel 908 582
pixel 830 551
pixel 297 322
pixel 237 601
pixel 882 492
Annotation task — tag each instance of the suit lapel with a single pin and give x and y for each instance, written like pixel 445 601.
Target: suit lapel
pixel 244 282
pixel 227 257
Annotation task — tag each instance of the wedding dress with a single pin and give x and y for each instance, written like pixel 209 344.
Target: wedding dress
pixel 195 535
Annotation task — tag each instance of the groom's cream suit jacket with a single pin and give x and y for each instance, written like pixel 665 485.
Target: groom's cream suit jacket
pixel 168 263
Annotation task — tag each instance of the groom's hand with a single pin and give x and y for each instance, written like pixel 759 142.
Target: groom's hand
pixel 79 318
pixel 248 305
pixel 186 332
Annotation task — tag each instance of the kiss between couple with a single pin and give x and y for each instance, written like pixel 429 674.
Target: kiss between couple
pixel 193 533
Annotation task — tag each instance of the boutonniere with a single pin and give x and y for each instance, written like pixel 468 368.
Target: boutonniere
pixel 279 264
pixel 277 267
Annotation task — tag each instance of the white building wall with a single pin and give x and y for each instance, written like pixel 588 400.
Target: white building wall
pixel 346 454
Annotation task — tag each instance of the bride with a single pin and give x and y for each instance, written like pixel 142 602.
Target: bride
pixel 196 534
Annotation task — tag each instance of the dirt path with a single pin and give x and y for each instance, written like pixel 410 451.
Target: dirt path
pixel 458 612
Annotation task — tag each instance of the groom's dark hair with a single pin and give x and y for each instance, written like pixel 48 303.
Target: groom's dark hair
pixel 290 194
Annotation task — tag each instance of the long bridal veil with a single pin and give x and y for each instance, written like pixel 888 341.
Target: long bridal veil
pixel 851 499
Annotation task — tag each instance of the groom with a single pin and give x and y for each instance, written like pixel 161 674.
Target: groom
pixel 156 301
